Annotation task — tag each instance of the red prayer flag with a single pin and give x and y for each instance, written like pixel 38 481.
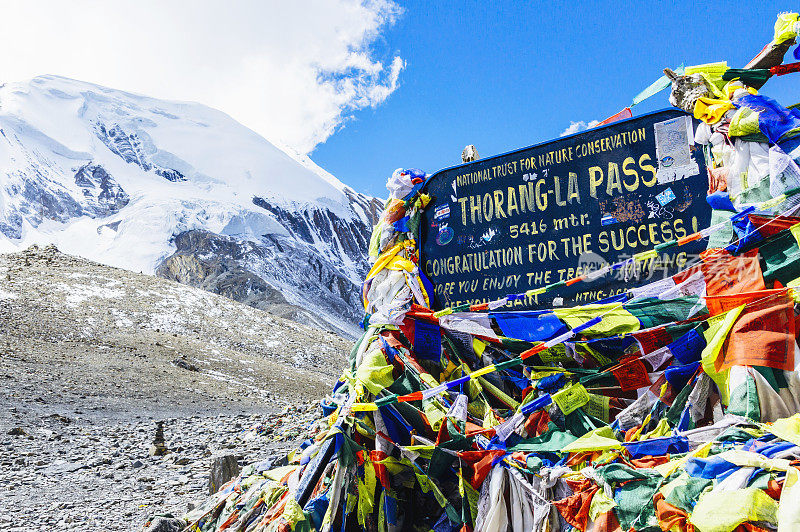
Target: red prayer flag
pixel 782 70
pixel 478 465
pixel 575 508
pixel 725 274
pixel 763 335
pixel 669 516
pixel 652 339
pixel 772 225
pixel 632 375
pixel 537 423
pixel 625 113
pixel 380 469
pixel 719 304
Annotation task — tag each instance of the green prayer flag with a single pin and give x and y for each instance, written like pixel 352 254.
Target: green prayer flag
pixel 654 88
pixel 782 257
pixel 550 441
pixel 653 312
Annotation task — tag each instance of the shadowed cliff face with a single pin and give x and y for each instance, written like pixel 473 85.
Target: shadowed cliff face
pixel 300 276
pixel 37 197
pixel 260 273
pixel 350 236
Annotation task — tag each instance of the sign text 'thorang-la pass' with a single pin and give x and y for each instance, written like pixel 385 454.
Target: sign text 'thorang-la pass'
pixel 562 209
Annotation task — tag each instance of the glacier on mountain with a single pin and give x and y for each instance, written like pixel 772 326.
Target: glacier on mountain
pixel 181 190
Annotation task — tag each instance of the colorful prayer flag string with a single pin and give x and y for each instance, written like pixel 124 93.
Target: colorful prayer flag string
pixel 639 257
pixel 525 355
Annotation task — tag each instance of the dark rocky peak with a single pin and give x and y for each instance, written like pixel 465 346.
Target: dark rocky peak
pixel 125 145
pixel 104 196
pixel 134 148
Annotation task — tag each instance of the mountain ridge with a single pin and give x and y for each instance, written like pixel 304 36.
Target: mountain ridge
pixel 117 177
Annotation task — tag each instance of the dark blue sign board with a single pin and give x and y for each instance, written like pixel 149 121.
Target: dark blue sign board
pixel 564 208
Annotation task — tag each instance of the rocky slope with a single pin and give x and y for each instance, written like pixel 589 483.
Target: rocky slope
pixel 91 356
pixel 225 265
pixel 132 182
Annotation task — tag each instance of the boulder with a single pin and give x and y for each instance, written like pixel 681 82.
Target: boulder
pixel 166 524
pixel 223 468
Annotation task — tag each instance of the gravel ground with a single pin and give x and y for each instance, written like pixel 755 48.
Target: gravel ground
pixel 91 357
pixel 64 474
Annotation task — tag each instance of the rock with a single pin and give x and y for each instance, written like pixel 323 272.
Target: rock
pixel 62 419
pixel 184 364
pixel 137 464
pixel 165 524
pixel 223 468
pixel 61 467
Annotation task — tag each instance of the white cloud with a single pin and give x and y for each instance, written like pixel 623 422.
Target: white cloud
pixel 577 127
pixel 293 71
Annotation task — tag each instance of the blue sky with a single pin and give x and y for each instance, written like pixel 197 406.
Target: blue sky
pixel 503 75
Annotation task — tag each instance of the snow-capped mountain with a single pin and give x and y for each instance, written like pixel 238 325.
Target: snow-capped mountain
pixel 181 190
